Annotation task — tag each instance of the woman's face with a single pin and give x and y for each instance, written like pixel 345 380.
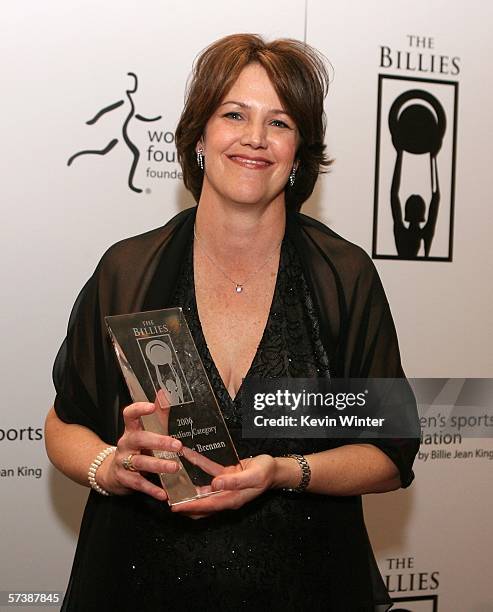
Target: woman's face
pixel 249 143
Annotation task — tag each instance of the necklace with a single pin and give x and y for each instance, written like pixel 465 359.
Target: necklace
pixel 238 286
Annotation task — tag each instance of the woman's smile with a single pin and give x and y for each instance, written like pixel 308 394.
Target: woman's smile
pixel 252 163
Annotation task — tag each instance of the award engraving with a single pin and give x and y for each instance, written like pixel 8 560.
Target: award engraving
pixel 160 364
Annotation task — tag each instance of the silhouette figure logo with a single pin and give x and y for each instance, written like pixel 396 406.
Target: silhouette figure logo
pixel 131 115
pixel 417 131
pixel 413 215
pixel 165 370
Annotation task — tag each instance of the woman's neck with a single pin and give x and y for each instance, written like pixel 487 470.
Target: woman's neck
pixel 240 236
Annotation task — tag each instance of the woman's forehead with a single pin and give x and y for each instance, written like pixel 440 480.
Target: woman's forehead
pixel 253 87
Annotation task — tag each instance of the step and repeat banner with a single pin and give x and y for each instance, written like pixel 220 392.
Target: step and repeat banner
pixel 91 94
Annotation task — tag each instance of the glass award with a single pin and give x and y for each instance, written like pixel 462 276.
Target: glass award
pixel 161 364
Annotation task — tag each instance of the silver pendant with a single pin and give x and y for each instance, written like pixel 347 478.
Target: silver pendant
pixel 239 288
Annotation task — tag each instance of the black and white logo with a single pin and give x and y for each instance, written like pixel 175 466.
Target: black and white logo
pixel 419 603
pixel 164 369
pixel 150 153
pixel 415 169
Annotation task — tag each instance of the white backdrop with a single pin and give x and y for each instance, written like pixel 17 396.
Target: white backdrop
pixel 64 62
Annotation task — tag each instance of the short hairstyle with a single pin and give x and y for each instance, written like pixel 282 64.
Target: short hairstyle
pixel 300 78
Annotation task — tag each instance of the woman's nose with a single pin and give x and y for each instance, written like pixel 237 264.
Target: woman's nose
pixel 254 135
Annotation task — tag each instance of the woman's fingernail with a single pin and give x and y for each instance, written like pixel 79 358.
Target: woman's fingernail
pixel 176 445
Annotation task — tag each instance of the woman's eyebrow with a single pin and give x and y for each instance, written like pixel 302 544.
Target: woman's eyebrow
pixel 247 106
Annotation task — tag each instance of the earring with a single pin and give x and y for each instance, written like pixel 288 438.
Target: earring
pixel 292 176
pixel 200 158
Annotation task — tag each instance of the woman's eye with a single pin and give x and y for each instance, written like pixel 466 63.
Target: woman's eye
pixel 279 123
pixel 233 115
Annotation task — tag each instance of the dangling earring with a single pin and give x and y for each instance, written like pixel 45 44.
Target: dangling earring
pixel 292 176
pixel 200 159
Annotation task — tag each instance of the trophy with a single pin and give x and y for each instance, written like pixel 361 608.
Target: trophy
pixel 161 364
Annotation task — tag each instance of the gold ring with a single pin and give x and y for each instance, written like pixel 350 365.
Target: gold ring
pixel 128 465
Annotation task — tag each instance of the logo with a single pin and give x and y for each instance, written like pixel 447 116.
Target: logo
pixel 130 116
pixel 420 603
pixel 402 577
pixel 164 369
pixel 414 162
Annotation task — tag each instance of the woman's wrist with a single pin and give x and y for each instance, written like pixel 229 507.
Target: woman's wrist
pixel 96 469
pixel 287 473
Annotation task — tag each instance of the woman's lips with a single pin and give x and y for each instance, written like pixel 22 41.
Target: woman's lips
pixel 255 163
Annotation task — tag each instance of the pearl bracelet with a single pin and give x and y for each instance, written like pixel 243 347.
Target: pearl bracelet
pixel 93 468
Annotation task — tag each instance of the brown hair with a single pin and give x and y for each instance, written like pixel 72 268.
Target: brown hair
pixel 300 78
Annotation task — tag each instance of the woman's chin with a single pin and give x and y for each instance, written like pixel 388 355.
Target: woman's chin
pixel 252 197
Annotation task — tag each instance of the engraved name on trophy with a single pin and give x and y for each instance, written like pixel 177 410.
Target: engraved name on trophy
pixel 160 364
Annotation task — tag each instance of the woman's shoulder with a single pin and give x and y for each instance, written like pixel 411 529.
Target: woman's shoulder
pixel 346 258
pixel 141 248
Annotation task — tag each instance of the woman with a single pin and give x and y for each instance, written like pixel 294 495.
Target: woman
pixel 267 292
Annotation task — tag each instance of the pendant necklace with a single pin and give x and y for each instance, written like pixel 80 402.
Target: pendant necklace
pixel 238 286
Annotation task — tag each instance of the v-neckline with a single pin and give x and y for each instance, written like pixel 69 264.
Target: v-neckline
pixel 267 322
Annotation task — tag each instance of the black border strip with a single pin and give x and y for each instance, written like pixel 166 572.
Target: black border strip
pixel 432 598
pixel 455 84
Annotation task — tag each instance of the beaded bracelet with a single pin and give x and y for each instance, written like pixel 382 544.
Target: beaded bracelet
pixel 306 473
pixel 93 468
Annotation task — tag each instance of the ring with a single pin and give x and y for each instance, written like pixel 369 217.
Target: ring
pixel 128 465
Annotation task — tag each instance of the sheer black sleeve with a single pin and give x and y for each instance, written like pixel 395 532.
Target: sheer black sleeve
pixel 372 351
pixel 74 403
pixel 84 375
pixel 355 320
pixel 90 389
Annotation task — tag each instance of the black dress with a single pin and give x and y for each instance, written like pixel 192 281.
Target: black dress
pixel 282 551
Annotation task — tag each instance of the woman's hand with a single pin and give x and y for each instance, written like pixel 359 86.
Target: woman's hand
pixel 238 488
pixel 135 441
